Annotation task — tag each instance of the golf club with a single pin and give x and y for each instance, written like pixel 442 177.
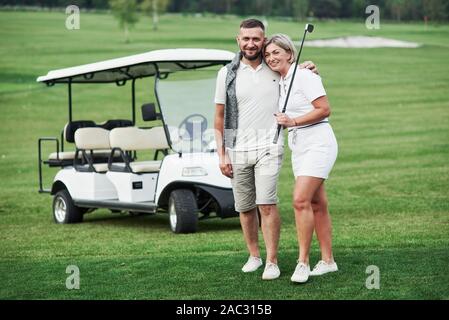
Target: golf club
pixel 309 28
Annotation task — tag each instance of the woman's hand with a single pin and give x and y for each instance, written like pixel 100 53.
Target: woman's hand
pixel 284 120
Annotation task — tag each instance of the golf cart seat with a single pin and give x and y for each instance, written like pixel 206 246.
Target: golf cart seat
pixel 139 166
pixel 100 167
pixel 65 158
pixel 116 123
pixel 134 139
pixel 63 155
pixel 87 141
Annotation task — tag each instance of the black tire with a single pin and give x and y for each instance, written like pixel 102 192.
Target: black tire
pixel 183 211
pixel 64 210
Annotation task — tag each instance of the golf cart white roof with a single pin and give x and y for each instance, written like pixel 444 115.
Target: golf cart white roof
pixel 139 66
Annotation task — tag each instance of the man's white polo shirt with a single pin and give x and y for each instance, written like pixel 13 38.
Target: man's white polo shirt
pixel 257 93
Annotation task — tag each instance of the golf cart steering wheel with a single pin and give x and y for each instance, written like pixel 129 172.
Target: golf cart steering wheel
pixel 190 125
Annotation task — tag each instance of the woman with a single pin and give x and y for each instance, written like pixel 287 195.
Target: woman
pixel 314 151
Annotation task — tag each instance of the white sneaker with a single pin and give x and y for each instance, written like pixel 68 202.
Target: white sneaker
pixel 322 267
pixel 301 274
pixel 252 264
pixel 271 271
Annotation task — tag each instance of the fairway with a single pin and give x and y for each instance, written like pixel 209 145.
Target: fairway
pixel 388 192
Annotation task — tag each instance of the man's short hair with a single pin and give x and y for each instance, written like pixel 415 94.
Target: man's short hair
pixel 252 23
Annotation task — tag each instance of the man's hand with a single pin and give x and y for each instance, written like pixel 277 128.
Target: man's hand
pixel 226 166
pixel 309 65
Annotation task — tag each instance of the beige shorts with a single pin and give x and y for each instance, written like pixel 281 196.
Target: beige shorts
pixel 255 177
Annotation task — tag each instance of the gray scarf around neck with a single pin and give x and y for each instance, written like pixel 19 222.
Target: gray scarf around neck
pixel 231 111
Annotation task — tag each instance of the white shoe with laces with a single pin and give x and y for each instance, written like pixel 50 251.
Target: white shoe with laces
pixel 301 274
pixel 252 264
pixel 322 267
pixel 271 271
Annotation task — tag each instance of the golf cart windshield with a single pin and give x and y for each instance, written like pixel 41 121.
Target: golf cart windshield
pixel 187 103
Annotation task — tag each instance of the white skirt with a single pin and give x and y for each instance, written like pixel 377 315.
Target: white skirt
pixel 314 150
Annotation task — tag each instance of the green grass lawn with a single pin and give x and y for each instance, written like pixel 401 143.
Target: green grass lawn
pixel 388 192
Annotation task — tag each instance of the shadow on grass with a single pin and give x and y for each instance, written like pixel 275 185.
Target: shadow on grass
pixel 159 221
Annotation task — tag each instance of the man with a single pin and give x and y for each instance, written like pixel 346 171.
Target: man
pixel 246 99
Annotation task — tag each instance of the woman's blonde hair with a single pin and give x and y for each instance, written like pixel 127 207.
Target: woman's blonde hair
pixel 283 41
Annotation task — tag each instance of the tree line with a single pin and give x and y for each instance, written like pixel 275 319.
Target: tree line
pixel 400 10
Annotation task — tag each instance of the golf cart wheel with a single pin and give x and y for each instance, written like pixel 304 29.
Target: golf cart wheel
pixel 183 211
pixel 64 210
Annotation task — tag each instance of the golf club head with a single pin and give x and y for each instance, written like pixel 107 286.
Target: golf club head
pixel 309 28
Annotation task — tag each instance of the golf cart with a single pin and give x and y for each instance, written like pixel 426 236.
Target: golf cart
pixel 104 171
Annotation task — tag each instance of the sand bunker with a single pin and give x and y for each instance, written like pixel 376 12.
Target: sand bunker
pixel 361 42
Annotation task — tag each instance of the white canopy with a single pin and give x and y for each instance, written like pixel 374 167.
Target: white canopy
pixel 139 65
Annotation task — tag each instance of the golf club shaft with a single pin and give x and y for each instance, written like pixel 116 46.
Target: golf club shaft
pixel 278 130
